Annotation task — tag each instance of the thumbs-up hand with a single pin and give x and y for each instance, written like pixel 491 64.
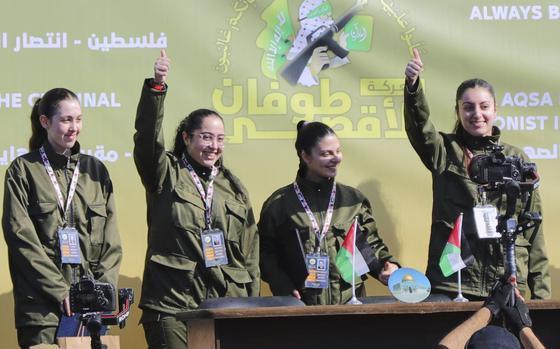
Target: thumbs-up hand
pixel 161 67
pixel 413 68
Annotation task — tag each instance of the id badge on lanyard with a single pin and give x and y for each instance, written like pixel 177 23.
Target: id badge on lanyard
pixel 317 263
pixel 213 240
pixel 318 268
pixel 485 218
pixel 68 236
pixel 213 247
pixel 69 240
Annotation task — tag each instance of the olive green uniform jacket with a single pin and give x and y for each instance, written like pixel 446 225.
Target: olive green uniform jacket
pixel 30 221
pixel 282 260
pixel 453 192
pixel 175 276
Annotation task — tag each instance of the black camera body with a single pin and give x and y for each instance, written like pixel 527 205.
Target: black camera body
pixel 89 295
pixel 512 176
pixel 495 168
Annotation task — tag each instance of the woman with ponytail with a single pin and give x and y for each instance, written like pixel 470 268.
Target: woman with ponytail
pixel 447 156
pixel 202 236
pixel 303 225
pixel 59 219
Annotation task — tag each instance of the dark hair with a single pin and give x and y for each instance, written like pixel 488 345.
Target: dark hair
pixel 47 105
pixel 189 124
pixel 193 122
pixel 465 85
pixel 308 135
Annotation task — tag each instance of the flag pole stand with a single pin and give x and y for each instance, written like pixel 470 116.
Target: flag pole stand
pixel 354 300
pixel 459 297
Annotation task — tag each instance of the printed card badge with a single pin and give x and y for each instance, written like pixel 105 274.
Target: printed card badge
pixel 214 247
pixel 69 245
pixel 486 220
pixel 409 285
pixel 318 269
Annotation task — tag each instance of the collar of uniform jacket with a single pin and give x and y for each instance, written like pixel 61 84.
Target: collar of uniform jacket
pixel 60 160
pixel 478 143
pixel 202 171
pixel 324 186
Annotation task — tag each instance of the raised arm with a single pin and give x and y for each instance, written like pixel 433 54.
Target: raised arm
pixel 422 134
pixel 149 146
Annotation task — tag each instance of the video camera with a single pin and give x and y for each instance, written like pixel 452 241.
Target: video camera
pixel 495 168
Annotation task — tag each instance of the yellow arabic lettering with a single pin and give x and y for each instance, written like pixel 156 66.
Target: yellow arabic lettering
pixel 303 103
pixel 381 87
pixel 235 98
pixel 340 124
pixel 224 61
pixel 392 119
pixel 336 103
pixel 241 124
pixel 401 21
pixel 388 8
pixel 274 103
pixel 369 127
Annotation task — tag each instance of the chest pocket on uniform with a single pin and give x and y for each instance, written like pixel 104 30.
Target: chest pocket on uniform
pixel 187 210
pixel 45 219
pixel 459 189
pixel 236 281
pixel 236 214
pixel 235 225
pixel 97 216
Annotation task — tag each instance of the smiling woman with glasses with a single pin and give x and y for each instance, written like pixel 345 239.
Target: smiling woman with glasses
pixel 208 138
pixel 202 236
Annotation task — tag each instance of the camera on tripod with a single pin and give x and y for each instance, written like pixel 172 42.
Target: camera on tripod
pixel 495 168
pixel 89 295
pixel 95 302
pixel 517 179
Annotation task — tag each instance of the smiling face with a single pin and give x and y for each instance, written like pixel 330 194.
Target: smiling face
pixel 63 127
pixel 476 110
pixel 322 162
pixel 206 144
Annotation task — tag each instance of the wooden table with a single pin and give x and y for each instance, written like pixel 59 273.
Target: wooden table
pixel 395 325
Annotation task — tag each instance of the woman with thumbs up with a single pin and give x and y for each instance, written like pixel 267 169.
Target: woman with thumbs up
pixel 447 156
pixel 202 236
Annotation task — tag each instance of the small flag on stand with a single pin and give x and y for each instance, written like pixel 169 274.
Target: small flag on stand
pixel 451 260
pixel 364 258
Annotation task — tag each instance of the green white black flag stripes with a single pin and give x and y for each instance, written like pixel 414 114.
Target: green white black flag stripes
pixel 450 260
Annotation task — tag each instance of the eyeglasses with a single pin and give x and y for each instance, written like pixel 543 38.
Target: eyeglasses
pixel 207 138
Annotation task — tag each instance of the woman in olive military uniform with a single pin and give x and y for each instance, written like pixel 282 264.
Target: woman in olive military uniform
pixel 303 225
pixel 447 156
pixel 202 236
pixel 54 199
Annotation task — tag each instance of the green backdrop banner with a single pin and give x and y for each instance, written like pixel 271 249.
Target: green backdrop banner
pixel 251 61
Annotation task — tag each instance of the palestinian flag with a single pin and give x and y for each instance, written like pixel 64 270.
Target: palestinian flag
pixel 364 259
pixel 451 260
